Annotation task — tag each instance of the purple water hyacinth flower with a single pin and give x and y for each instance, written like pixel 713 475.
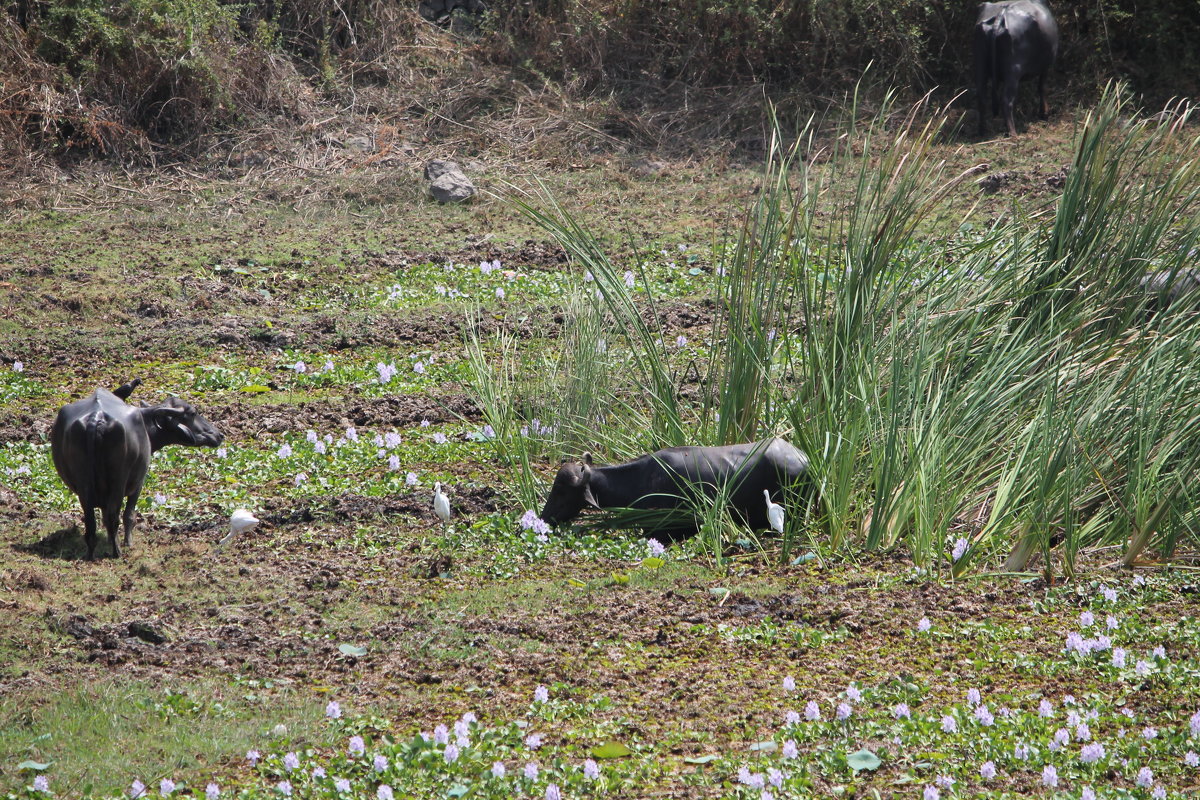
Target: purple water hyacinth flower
pixel 391 439
pixel 1111 622
pixel 591 770
pixel 18 366
pixel 1158 793
pixel 1049 776
pixel 960 549
pixel 853 694
pixel 1082 732
pixel 812 712
pixel 629 279
pixel 212 792
pixel 489 432
pixel 419 367
pixel 1045 709
pixel 1144 778
pixel 900 711
pixel 300 367
pixel 291 761
pixel 1021 752
pixel 944 782
pixel 791 718
pixel 552 792
pixel 1118 657
pixel 1149 732
pixel 1194 724
pixel 1109 594
pixel 41 783
pixel 775 777
pixel 1102 643
pixel 462 729
pixel 531 771
pixel 1087 793
pixel 222 452
pixel 439 438
pixel 499 292
pixel 441 734
pixel 394 462
pixel 844 710
pixel 541 695
pixel 588 277
pixel 310 436
pixel 320 448
pixel 1142 668
pixel 1159 652
pixel 1091 753
pixel 284 788
pixel 949 724
pixel 357 746
pixel 655 547
pixel 681 341
pixel 318 772
pixel 1192 759
pixel 924 625
pixel 300 478
pixel 1087 619
pixel 380 763
pixel 410 479
pixel 987 771
pixel 342 785
pixel 984 716
pixel 252 756
pixel 973 697
pixel 789 749
pixel 384 792
pixel 137 789
pixel 533 741
pixel 328 365
pixel 158 499
pixel 789 683
pixel 450 754
pixel 498 769
pixel 931 793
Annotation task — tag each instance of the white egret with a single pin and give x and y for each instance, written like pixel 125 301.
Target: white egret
pixel 441 504
pixel 240 520
pixel 774 512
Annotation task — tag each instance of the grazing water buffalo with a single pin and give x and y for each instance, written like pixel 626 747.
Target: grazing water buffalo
pixel 1014 41
pixel 664 479
pixel 102 447
pixel 1167 288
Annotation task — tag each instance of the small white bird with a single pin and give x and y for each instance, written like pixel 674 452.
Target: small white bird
pixel 774 512
pixel 441 504
pixel 240 520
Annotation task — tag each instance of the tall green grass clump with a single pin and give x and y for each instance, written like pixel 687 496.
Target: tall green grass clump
pixel 973 398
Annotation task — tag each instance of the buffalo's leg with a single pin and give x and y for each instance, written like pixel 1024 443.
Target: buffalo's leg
pixel 112 520
pixel 1042 96
pixel 130 505
pixel 89 530
pixel 1009 101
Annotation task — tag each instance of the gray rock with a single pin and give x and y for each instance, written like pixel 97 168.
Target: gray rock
pixel 452 187
pixel 439 167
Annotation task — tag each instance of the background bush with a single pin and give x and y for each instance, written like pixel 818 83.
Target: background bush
pixel 123 77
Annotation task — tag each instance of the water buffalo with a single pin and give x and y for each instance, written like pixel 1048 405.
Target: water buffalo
pixel 1014 41
pixel 1167 288
pixel 102 447
pixel 664 480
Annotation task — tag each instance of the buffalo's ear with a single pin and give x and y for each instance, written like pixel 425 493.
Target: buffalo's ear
pixel 587 459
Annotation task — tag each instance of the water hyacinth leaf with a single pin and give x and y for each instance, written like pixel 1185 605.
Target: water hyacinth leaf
pixel 256 388
pixel 36 766
pixel 701 759
pixel 653 562
pixel 620 577
pixel 576 583
pixel 611 749
pixel 352 650
pixel 720 592
pixel 804 558
pixel 863 759
pixel 457 790
pixel 764 747
pixel 695 271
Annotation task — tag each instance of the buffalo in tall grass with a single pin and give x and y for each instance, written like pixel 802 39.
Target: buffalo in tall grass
pixel 681 478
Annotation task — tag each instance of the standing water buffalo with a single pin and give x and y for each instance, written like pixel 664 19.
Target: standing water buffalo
pixel 664 479
pixel 1014 41
pixel 102 447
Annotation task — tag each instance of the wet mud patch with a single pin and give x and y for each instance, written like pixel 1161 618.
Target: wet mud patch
pixel 243 420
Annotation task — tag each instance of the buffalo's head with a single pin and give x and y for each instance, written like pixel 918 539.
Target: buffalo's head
pixel 174 421
pixel 571 491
